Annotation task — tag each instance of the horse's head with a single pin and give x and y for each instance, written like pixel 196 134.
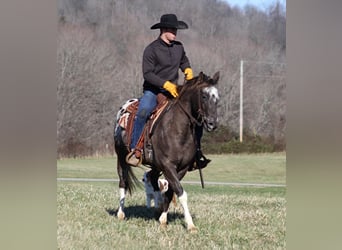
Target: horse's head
pixel 202 96
pixel 208 100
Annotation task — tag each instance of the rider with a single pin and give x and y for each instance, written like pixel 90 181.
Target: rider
pixel 161 61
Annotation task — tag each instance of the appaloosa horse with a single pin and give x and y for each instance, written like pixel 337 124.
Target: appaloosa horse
pixel 173 141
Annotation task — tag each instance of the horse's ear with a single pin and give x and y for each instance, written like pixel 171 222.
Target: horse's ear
pixel 200 76
pixel 216 77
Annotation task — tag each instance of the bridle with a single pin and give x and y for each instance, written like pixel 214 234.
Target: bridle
pixel 199 120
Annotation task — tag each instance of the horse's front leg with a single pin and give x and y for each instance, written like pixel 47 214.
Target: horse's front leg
pixel 183 199
pixel 165 207
pixel 176 187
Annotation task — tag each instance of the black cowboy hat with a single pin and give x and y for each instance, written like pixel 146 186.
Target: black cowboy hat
pixel 170 21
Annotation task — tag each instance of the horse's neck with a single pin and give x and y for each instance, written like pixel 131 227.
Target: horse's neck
pixel 189 101
pixel 180 123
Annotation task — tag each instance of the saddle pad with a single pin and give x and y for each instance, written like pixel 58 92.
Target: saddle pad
pixel 123 114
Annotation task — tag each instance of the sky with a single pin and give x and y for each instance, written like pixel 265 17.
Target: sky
pixel 262 4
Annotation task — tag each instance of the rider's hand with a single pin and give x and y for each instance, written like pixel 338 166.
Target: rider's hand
pixel 171 87
pixel 188 74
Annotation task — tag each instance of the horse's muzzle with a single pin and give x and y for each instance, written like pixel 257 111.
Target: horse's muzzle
pixel 210 125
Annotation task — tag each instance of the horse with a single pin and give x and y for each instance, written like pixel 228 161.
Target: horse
pixel 174 143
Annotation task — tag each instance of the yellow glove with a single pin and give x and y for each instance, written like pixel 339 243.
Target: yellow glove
pixel 188 74
pixel 171 87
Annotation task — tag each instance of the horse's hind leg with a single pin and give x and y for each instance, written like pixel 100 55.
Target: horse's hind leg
pixel 121 214
pixel 122 191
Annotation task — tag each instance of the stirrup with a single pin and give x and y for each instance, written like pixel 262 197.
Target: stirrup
pixel 132 159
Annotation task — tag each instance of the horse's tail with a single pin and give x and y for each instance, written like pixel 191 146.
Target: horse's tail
pixel 125 171
pixel 132 181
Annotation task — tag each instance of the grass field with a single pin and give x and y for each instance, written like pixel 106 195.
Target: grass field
pixel 257 168
pixel 226 217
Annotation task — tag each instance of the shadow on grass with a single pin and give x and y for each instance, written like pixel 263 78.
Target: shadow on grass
pixel 142 212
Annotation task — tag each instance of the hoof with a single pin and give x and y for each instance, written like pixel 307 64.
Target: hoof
pixel 192 229
pixel 163 225
pixel 121 215
pixel 163 218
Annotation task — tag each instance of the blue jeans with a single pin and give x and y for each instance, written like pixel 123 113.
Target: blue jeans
pixel 147 103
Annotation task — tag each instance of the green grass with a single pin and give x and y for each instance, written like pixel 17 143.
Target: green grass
pixel 254 168
pixel 87 167
pixel 226 217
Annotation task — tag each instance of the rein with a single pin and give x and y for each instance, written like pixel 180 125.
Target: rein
pixel 192 119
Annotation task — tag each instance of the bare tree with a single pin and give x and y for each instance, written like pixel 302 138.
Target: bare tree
pixel 100 47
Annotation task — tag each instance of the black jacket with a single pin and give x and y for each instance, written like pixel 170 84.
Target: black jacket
pixel 161 63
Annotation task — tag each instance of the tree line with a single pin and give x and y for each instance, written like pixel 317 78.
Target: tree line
pixel 99 57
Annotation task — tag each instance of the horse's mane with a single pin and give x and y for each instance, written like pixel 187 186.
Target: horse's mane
pixel 195 83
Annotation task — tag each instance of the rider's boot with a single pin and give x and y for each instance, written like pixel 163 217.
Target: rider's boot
pixel 200 161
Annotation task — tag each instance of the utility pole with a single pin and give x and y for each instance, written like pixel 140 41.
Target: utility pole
pixel 241 100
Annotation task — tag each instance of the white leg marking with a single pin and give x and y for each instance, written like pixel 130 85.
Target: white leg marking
pixel 163 219
pixel 183 199
pixel 163 185
pixel 121 214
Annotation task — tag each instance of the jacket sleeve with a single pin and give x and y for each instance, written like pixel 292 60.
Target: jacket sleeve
pixel 185 63
pixel 149 64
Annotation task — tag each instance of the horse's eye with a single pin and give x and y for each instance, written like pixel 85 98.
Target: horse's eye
pixel 204 97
